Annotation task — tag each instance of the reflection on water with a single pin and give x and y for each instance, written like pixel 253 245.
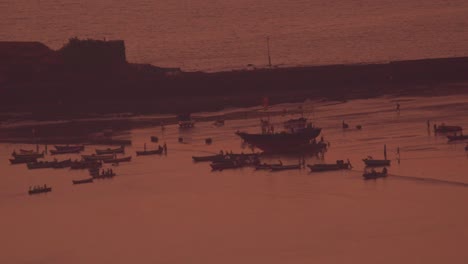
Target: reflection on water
pixel 167 209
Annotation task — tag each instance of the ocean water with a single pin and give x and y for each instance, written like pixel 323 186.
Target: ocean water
pixel 167 209
pixel 217 35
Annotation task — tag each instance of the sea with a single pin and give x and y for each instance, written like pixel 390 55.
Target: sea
pixel 220 35
pixel 168 209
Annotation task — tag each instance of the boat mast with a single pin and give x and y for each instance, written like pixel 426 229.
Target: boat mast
pixel 268 50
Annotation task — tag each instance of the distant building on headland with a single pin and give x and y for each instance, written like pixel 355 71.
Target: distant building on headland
pixel 93 53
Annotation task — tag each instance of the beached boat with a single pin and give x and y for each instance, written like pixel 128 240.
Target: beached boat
pixel 228 164
pixel 370 162
pixel 97 157
pixel 339 165
pixel 110 151
pixel 62 164
pixel 65 151
pixel 457 138
pixel 282 142
pixel 285 167
pixel 117 160
pixel 89 180
pixel 368 175
pixel 38 190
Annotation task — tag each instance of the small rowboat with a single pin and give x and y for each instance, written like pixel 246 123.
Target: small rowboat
pixel 150 152
pixel 217 157
pixel 65 151
pixel 67 147
pixel 285 167
pixel 228 164
pixel 125 159
pixel 370 162
pixel 375 174
pixel 89 180
pixel 28 155
pixel 110 151
pixel 455 138
pixel 339 165
pixel 97 157
pixel 447 129
pixel 23 160
pixel 40 190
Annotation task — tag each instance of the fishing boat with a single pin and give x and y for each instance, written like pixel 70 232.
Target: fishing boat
pixel 110 151
pixel 282 142
pixel 76 165
pixel 457 137
pixel 68 147
pixel 27 155
pixel 62 164
pixel 23 160
pixel 339 165
pixel 370 162
pixel 97 157
pixel 40 165
pixel 447 129
pixel 37 190
pixel 298 123
pixel 89 180
pixel 265 166
pixel 228 164
pixel 212 158
pixel 373 174
pixel 150 152
pixel 66 151
pixel 285 167
pixel 117 160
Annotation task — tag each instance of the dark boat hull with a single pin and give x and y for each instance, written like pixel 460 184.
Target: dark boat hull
pixel 376 163
pixel 126 159
pixel 281 142
pixel 90 180
pixel 329 167
pixel 38 191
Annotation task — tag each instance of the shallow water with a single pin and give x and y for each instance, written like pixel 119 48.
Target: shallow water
pixel 167 209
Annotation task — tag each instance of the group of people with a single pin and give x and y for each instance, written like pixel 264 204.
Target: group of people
pixel 37 187
pixel 107 172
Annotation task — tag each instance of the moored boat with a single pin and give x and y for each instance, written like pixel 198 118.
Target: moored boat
pixel 373 174
pixel 41 189
pixel 22 160
pixel 370 162
pixel 89 180
pixel 457 137
pixel 447 129
pixel 97 157
pixel 283 141
pixel 65 151
pixel 285 167
pixel 339 165
pixel 110 151
pixel 28 155
pixel 217 157
pixel 150 152
pixel 68 147
pixel 117 160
